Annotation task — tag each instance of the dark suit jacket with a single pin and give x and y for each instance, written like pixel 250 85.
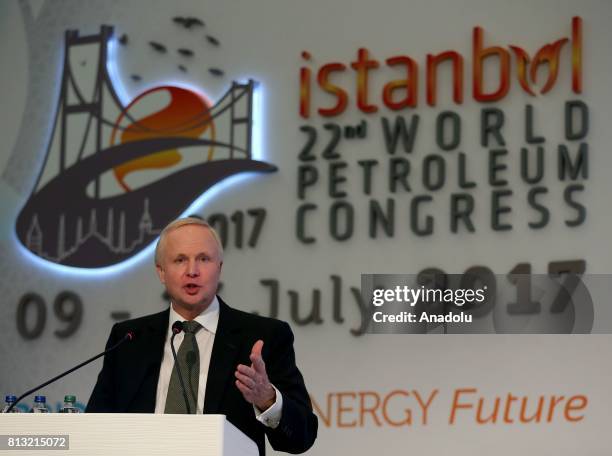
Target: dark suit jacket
pixel 128 379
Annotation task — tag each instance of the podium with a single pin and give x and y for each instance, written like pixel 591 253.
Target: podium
pixel 125 433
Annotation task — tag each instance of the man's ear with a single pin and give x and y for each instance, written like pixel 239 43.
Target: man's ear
pixel 160 273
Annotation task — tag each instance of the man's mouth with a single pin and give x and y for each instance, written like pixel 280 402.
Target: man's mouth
pixel 191 288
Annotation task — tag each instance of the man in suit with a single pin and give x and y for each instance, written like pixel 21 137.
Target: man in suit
pixel 228 362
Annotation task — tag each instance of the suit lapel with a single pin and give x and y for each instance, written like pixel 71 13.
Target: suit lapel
pixel 223 360
pixel 147 363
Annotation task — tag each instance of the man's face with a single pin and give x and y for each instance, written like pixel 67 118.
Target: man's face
pixel 190 268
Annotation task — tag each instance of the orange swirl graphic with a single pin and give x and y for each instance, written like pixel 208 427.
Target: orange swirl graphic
pixel 187 115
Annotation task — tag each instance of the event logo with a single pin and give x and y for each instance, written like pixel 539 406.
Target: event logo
pixel 112 180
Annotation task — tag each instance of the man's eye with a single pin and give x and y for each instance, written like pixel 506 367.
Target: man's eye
pixel 179 260
pixel 204 259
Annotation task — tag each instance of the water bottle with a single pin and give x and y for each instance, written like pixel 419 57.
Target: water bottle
pixel 10 400
pixel 40 405
pixel 69 405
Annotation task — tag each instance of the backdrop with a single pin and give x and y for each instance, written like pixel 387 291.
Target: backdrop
pixel 325 140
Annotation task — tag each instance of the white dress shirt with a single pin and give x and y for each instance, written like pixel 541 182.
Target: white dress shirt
pixel 205 337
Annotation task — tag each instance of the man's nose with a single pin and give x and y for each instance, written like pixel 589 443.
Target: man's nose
pixel 192 269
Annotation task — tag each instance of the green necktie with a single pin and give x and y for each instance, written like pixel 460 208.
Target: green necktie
pixel 188 359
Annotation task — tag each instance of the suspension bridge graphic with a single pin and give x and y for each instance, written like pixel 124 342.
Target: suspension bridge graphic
pixel 85 210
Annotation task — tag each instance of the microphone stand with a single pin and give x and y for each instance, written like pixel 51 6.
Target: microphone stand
pixel 128 336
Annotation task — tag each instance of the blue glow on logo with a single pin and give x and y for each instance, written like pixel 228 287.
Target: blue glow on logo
pixel 113 72
pixel 258 127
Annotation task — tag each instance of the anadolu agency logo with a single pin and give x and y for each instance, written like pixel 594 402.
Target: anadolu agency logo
pixel 114 175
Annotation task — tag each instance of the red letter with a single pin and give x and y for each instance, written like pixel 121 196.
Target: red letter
pixel 340 94
pixel 432 65
pixel 456 405
pixel 550 54
pixel 408 420
pixel 409 84
pixel 362 65
pixel 425 406
pixel 371 410
pixel 326 418
pixel 342 410
pixel 554 400
pixel 305 88
pixel 569 407
pixel 479 56
pixel 577 54
pixel 522 63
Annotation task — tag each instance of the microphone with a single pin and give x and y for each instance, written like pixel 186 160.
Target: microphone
pixel 177 327
pixel 128 336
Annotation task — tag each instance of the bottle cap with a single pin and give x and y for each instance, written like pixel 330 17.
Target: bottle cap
pixel 40 399
pixel 10 398
pixel 69 398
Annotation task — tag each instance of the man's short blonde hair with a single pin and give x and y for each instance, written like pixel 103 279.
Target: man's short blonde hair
pixel 183 222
